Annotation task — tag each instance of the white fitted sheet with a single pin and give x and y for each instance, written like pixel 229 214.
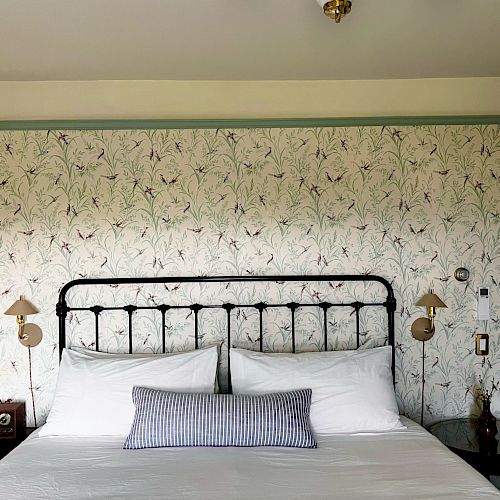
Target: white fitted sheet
pixel 400 464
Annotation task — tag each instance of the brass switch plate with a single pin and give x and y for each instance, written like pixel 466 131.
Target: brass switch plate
pixel 482 344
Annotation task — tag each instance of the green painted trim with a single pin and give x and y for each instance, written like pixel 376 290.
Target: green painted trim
pixel 242 123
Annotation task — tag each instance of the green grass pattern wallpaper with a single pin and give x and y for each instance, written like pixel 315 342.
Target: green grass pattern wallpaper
pixel 409 203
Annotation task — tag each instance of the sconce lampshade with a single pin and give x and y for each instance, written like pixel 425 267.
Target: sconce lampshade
pixel 431 300
pixel 21 307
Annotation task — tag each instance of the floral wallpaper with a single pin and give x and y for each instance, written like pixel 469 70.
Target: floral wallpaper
pixel 409 203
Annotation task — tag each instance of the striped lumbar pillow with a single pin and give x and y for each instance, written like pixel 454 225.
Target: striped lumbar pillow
pixel 189 419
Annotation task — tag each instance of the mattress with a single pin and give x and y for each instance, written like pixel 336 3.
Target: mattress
pixel 400 464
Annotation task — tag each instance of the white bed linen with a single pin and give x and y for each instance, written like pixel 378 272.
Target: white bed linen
pixel 399 464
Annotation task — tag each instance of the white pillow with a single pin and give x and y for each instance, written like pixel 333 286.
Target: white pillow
pixel 94 394
pixel 90 353
pixel 352 391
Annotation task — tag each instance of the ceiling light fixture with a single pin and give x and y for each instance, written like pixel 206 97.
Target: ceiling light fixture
pixel 335 9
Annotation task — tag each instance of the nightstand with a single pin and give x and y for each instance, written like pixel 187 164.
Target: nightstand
pixel 460 436
pixel 12 426
pixel 6 448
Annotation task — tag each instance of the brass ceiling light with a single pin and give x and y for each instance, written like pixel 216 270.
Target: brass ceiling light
pixel 336 9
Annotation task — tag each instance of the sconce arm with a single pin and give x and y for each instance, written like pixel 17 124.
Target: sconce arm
pixel 20 330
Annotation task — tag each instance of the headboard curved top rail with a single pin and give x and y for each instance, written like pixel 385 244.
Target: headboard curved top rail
pixel 323 306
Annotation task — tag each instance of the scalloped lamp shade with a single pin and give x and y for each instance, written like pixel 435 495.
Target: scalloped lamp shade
pixel 21 307
pixel 431 300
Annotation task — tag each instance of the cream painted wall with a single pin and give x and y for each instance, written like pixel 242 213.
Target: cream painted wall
pixel 247 99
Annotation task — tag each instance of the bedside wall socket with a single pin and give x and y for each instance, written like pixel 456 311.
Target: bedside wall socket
pixel 482 344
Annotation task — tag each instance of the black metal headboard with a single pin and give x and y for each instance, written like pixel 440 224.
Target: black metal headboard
pixel 62 308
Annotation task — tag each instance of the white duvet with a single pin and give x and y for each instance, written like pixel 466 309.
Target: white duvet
pixel 401 464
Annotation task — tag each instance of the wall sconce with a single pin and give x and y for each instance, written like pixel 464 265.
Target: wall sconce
pixel 29 334
pixel 335 9
pixel 423 329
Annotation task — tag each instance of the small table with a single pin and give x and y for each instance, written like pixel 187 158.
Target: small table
pixel 6 446
pixel 460 436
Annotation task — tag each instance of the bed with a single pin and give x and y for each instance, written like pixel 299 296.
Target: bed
pixel 402 461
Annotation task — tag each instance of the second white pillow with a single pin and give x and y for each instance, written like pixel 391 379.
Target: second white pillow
pixel 352 391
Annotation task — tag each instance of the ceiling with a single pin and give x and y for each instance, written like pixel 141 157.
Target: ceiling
pixel 247 40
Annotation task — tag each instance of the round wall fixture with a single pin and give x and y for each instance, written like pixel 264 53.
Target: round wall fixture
pixel 422 329
pixel 461 274
pixel 32 335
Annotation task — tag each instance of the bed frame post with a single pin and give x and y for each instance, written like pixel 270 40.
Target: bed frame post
pixel 62 312
pixel 391 309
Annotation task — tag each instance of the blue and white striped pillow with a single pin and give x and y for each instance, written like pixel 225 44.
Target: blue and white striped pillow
pixel 190 419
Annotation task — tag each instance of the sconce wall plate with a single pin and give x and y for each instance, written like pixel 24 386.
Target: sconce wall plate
pixel 32 335
pixel 422 329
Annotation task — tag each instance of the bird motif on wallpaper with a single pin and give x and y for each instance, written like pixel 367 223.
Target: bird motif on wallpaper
pixel 87 236
pixel 65 246
pixel 480 186
pixel 53 199
pixel 222 197
pixel 30 171
pixel 279 175
pixel 232 137
pixel 397 133
pixel 136 143
pixel 62 137
pixel 398 241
